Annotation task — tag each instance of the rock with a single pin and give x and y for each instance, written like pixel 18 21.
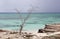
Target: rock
pixel 13 32
pixel 40 31
pixel 3 30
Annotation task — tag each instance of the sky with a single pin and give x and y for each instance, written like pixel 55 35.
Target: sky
pixel 25 5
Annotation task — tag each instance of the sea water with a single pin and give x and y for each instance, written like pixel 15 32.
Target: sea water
pixel 12 20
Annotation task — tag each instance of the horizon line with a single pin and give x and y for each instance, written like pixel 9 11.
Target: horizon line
pixel 28 12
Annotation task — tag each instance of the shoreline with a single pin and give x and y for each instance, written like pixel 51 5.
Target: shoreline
pixel 48 32
pixel 6 34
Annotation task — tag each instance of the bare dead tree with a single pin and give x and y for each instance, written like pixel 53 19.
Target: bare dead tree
pixel 27 17
pixel 19 14
pixel 23 20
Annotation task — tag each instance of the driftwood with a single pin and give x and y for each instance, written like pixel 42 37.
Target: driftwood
pixel 52 27
pixel 47 37
pixel 50 30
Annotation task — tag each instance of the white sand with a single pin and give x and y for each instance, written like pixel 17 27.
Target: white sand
pixel 7 35
pixel 33 35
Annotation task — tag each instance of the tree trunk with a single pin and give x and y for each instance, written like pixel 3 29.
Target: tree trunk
pixel 21 29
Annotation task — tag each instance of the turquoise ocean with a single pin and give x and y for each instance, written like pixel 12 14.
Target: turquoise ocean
pixel 12 20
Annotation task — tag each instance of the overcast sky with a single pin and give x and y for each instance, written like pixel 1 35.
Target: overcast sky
pixel 24 5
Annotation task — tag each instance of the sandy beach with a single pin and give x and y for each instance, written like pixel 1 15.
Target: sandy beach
pixel 5 34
